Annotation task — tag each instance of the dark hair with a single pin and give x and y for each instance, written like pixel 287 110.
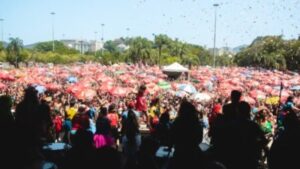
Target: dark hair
pixel 111 108
pixel 31 95
pixel 103 111
pixel 155 101
pixel 187 110
pixel 235 96
pixel 165 117
pixel 244 110
pixel 103 126
pixel 142 88
pixel 26 110
pixel 72 102
pixel 290 99
pixel 131 127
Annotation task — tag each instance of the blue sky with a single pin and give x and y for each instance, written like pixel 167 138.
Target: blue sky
pixel 239 21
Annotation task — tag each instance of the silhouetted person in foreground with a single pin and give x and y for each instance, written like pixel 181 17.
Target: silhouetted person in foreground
pixel 285 149
pixel 26 111
pixel 232 108
pixel 32 121
pixel 108 158
pixel 146 155
pixel 8 141
pixel 249 138
pixel 162 130
pixel 186 135
pixel 237 142
pixel 131 140
pixel 82 153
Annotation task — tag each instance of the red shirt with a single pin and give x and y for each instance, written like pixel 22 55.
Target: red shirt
pixel 114 119
pixel 57 123
pixel 216 111
pixel 141 104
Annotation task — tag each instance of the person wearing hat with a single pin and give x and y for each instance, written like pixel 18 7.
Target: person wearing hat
pixel 130 106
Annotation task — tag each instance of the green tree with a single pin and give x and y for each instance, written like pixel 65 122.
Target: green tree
pixel 2 48
pixel 59 48
pixel 292 54
pixel 160 41
pixel 14 51
pixel 267 52
pixel 2 52
pixel 110 46
pixel 140 50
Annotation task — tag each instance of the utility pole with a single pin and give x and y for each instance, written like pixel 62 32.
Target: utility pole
pixel 102 39
pixel 53 45
pixel 215 34
pixel 95 42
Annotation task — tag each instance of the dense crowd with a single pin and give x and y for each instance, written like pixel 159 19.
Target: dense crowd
pixel 107 130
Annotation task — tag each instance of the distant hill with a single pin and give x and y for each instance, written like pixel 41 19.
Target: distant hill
pixel 31 46
pixel 223 50
pixel 5 44
pixel 239 48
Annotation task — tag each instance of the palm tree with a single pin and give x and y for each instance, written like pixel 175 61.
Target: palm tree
pixel 14 49
pixel 161 41
pixel 140 49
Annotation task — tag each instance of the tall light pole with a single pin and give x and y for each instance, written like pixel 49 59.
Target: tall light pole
pixel 2 38
pixel 53 46
pixel 96 33
pixel 102 39
pixel 215 34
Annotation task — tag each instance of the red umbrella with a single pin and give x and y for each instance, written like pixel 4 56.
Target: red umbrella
pixel 74 89
pixel 130 81
pixel 106 87
pixel 53 87
pixel 257 94
pixel 88 94
pixel 7 77
pixel 119 91
pixel 2 86
pixel 267 89
pixel 248 99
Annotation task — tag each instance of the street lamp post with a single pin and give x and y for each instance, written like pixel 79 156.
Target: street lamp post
pixel 53 46
pixel 2 38
pixel 102 39
pixel 95 42
pixel 215 34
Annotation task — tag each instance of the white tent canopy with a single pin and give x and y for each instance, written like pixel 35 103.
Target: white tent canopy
pixel 175 67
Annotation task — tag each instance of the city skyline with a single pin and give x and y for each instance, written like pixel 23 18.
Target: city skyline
pixel 191 21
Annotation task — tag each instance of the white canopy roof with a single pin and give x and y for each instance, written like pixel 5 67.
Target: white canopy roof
pixel 175 67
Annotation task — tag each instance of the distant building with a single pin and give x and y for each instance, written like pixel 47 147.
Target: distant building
pixel 122 47
pixel 83 45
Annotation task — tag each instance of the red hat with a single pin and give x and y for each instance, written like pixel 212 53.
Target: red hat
pixel 131 105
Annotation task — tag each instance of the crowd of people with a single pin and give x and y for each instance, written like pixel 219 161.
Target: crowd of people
pixel 105 131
